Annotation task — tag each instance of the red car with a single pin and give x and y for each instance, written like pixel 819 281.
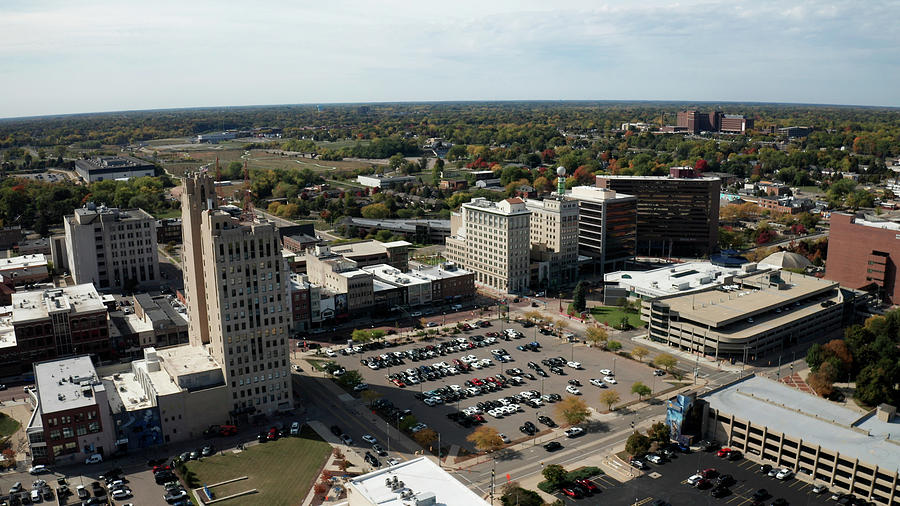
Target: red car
pixel 723 452
pixel 571 492
pixel 228 430
pixel 477 382
pixel 466 326
pixel 157 469
pixel 588 485
pixel 273 434
pixel 478 418
pixel 492 334
pixel 709 473
pixel 492 379
pixel 398 383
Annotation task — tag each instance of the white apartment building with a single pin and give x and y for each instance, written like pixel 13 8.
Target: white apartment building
pixel 492 240
pixel 238 296
pixel 554 240
pixel 112 248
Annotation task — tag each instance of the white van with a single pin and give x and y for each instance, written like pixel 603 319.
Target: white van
pixel 94 459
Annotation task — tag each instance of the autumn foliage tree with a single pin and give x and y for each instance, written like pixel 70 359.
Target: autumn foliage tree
pixel 573 410
pixel 485 438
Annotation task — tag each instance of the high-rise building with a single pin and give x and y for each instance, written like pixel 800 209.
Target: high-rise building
pixel 554 240
pixel 492 239
pixel 735 123
pixel 695 122
pixel 112 248
pixel 677 215
pixel 238 298
pixel 607 226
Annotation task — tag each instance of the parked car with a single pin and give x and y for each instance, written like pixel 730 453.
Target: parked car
pixel 38 469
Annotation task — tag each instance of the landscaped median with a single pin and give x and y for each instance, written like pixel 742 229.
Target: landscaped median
pixel 281 472
pixel 557 477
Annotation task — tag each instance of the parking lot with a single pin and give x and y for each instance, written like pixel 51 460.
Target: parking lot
pixel 668 481
pixel 447 349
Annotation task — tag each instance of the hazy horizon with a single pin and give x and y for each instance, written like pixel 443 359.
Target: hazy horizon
pixel 101 56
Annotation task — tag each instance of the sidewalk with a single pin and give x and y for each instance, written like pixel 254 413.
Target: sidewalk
pixel 686 357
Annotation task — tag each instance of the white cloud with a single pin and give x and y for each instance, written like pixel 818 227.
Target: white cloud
pixel 117 55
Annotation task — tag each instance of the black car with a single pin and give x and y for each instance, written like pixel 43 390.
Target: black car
pixel 547 421
pixel 725 480
pixel 734 455
pixel 262 437
pixel 780 502
pixel 552 446
pixel 719 491
pixel 336 430
pixel 765 468
pixel 760 494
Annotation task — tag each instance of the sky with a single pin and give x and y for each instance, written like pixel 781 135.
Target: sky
pixel 91 56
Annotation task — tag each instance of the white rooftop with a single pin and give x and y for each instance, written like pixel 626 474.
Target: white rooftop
pixel 596 194
pixel 816 420
pixel 420 477
pixel 672 279
pixel 395 276
pixel 67 383
pixel 443 271
pixel 886 225
pixel 23 262
pixel 38 304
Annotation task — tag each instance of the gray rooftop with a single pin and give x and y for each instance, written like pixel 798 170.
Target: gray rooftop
pixel 816 420
pixel 66 384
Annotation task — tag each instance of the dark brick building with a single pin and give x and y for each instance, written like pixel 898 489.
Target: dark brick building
pixel 863 254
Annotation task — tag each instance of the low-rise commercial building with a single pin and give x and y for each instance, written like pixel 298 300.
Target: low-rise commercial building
pixel 449 282
pixel 375 181
pixel 150 322
pixel 663 281
pixel 351 285
pixel 24 269
pixel 847 450
pixel 71 420
pixel 366 253
pixel 750 316
pixel 168 230
pixel 416 290
pixel 105 168
pixel 300 302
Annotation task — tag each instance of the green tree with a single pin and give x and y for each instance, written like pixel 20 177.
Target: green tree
pixel 578 297
pixel 514 495
pixel 555 475
pixel 350 378
pixel 876 383
pixel 666 361
pixel 814 357
pixel 640 389
pixel 637 444
pixel 361 336
pixel 640 352
pixel 596 336
pixel 376 211
pixel 613 346
pixel 659 432
pixel 407 422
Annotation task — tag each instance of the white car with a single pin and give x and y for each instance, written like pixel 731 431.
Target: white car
pixel 574 365
pixel 606 372
pixel 656 459
pixel 368 438
pixel 610 380
pixel 784 474
pixel 574 432
pixel 455 388
pixel 122 493
pixel 496 413
pixel 693 480
pixel 330 353
pixel 597 382
pixel 360 387
pixel 392 461
pixel 417 427
pixel 432 324
pixel 572 390
pixel 503 437
pixel 38 469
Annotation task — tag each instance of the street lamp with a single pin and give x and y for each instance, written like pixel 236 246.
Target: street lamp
pixel 614 365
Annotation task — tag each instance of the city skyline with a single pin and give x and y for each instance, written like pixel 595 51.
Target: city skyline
pixel 103 56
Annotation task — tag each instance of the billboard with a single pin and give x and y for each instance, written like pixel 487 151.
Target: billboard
pixel 676 410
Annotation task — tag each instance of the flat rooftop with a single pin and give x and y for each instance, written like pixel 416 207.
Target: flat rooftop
pixel 359 248
pixel 392 275
pixel 816 420
pixel 419 476
pixel 444 271
pixel 23 262
pixel 885 225
pixel 672 279
pixel 719 307
pixel 38 304
pixel 658 178
pixel 65 384
pixel 186 359
pixel 595 194
pixel 125 392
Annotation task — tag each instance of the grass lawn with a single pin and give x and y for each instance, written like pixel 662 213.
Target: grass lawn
pixel 282 471
pixel 612 315
pixel 8 425
pixel 168 213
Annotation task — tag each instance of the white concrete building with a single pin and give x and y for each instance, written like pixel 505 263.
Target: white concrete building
pixel 492 239
pixel 112 248
pixel 554 239
pixel 418 481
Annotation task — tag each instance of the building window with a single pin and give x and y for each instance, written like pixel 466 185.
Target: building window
pixel 67 432
pixel 94 427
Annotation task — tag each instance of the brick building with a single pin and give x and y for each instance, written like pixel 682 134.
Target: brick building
pixel 863 253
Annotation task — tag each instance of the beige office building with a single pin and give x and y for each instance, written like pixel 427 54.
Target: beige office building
pixel 351 285
pixel 237 284
pixel 554 240
pixel 492 240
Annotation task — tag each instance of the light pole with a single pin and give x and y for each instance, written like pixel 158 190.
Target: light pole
pixel 614 366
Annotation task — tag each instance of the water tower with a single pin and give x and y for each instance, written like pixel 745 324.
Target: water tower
pixel 561 181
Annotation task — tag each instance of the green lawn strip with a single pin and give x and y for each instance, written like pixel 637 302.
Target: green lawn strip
pixel 8 425
pixel 578 474
pixel 282 471
pixel 613 316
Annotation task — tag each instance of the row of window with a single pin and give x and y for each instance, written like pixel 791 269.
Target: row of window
pixel 68 432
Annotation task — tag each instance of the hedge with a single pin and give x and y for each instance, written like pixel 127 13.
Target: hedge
pixel 578 474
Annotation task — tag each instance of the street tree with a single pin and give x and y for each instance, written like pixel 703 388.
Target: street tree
pixel 596 336
pixel 485 438
pixel 515 495
pixel 578 297
pixel 637 444
pixel 659 432
pixel 533 315
pixel 370 396
pixel 666 361
pixel 561 326
pixel 425 437
pixel 640 389
pixel 555 475
pixel 361 336
pixel 350 378
pixel 573 410
pixel 640 352
pixel 609 398
pixel 613 346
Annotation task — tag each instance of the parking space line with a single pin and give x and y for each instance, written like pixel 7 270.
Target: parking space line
pixel 643 501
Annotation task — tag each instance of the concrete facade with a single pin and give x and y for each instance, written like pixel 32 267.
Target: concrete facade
pixel 105 168
pixel 554 239
pixel 112 248
pixel 492 239
pixel 607 225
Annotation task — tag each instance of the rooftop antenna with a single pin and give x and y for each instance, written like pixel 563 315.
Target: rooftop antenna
pixel 247 213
